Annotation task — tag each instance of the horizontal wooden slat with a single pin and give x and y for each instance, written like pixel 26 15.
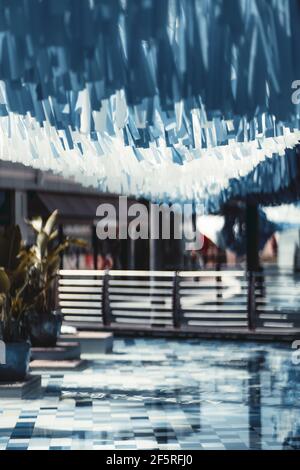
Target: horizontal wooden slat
pixel 85 319
pixel 150 313
pixel 215 316
pixel 275 324
pixel 138 283
pixel 281 289
pixel 212 274
pixel 148 299
pixel 79 296
pixel 80 282
pixel 214 302
pixel 215 292
pixel 88 311
pixel 268 300
pixel 218 323
pixel 210 285
pixel 143 322
pixel 81 272
pixel 126 273
pixel 145 304
pixel 78 289
pixel 272 316
pixel 139 291
pixel 213 308
pixel 79 304
pixel 291 317
pixel 146 315
pixel 277 309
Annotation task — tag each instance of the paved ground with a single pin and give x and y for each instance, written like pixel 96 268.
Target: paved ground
pixel 164 394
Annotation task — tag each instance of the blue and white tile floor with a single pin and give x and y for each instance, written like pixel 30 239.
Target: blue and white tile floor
pixel 164 394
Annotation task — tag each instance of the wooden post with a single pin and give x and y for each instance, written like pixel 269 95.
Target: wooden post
pixel 253 265
pixel 252 227
pixel 106 313
pixel 251 301
pixel 176 308
pixel 61 239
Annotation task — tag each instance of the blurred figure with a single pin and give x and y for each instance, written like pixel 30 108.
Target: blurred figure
pixel 105 262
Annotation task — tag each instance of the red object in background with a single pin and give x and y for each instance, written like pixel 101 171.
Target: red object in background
pixel 89 261
pixel 103 262
pixel 207 243
pixel 108 262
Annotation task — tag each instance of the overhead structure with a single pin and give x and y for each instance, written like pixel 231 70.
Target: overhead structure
pixel 172 100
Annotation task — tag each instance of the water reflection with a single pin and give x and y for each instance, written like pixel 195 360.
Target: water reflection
pixel 206 394
pixel 163 394
pixel 255 363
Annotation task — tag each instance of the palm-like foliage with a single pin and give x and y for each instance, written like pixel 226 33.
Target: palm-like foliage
pixel 27 274
pixel 4 289
pixel 13 280
pixel 45 260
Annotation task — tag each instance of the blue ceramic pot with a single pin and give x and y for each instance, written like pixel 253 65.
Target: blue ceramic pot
pixel 17 358
pixel 44 330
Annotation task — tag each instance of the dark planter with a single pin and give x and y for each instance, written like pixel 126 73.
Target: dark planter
pixel 44 330
pixel 16 364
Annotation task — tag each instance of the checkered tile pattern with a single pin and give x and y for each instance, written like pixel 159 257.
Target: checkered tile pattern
pixel 164 394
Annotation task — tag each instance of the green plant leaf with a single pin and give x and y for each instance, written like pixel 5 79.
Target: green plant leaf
pixel 36 223
pixel 41 244
pixel 53 235
pixel 4 282
pixel 49 225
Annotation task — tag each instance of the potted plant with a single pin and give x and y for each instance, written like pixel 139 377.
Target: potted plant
pixel 13 280
pixel 43 322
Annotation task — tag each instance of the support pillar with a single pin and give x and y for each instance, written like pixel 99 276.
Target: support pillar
pixel 153 243
pixel 19 212
pixel 252 227
pixel 95 247
pixel 253 265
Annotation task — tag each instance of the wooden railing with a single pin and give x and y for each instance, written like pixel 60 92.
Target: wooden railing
pixel 180 301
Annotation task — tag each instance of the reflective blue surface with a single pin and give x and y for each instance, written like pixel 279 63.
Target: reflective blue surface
pixel 165 394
